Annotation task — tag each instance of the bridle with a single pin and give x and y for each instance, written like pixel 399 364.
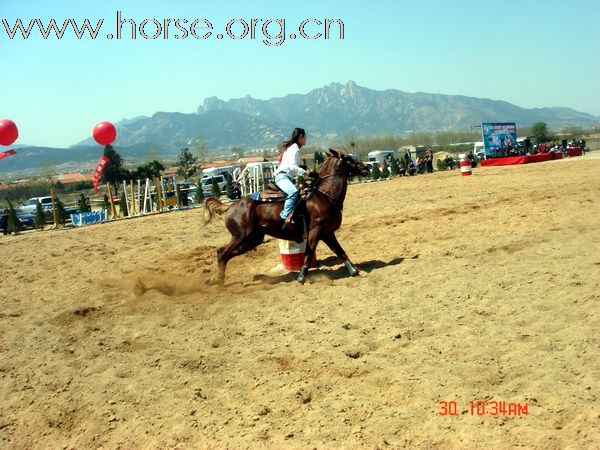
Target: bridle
pixel 333 201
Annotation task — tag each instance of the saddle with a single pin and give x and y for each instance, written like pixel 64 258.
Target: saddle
pixel 272 194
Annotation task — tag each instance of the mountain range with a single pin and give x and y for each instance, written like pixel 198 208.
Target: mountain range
pixel 329 114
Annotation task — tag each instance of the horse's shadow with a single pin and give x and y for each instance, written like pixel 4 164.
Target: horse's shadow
pixel 340 271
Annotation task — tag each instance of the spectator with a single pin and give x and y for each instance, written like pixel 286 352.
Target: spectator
pixel 407 158
pixel 429 159
pixel 4 222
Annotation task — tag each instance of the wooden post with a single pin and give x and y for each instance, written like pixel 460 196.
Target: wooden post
pixel 133 211
pixel 113 211
pixel 54 215
pixel 159 199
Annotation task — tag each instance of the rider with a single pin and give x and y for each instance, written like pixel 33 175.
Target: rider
pixel 289 168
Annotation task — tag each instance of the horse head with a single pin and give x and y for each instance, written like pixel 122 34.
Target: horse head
pixel 347 164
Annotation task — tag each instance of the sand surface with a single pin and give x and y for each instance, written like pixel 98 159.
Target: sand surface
pixel 471 288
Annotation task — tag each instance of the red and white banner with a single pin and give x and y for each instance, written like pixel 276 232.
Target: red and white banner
pixel 102 162
pixel 7 153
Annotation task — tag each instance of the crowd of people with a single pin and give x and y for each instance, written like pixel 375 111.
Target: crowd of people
pixel 556 147
pixel 523 149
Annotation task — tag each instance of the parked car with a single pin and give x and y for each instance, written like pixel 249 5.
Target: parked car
pixel 187 190
pixel 27 220
pixel 29 206
pixel 207 185
pixel 186 186
pixel 26 212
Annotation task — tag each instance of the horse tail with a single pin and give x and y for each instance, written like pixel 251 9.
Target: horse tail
pixel 213 207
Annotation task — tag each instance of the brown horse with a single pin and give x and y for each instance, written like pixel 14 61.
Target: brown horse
pixel 248 221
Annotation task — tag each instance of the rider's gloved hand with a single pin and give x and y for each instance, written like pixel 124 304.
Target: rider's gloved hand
pixel 314 175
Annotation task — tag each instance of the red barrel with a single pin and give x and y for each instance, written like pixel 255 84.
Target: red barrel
pixel 465 165
pixel 292 255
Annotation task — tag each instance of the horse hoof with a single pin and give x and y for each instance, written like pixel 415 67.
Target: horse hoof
pixel 353 271
pixel 302 275
pixel 212 281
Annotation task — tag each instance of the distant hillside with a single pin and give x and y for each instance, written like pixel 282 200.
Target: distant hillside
pixel 343 109
pixel 328 114
pixel 336 110
pixel 32 160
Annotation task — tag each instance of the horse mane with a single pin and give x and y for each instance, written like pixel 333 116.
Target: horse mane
pixel 330 160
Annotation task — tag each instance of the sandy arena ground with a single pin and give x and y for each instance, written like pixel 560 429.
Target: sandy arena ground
pixel 478 288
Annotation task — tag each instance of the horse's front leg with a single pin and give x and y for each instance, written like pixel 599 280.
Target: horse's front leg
pixel 311 246
pixel 335 246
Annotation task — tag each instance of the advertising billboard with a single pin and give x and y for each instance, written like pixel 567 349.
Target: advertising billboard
pixel 498 138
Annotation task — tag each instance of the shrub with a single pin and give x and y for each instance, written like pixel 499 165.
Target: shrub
pixel 82 204
pixel 228 183
pixel 40 217
pixel 14 224
pixel 395 167
pixel 61 214
pixel 385 172
pixel 123 205
pixel 199 196
pixel 216 191
pixel 375 172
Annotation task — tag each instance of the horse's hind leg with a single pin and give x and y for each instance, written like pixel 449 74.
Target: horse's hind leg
pixel 237 246
pixel 335 246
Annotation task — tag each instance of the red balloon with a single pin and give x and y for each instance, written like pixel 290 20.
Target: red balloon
pixel 105 133
pixel 8 132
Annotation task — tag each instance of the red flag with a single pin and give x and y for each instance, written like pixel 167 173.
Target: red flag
pixel 102 162
pixel 7 153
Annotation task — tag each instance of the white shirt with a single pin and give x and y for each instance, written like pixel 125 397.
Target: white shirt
pixel 290 163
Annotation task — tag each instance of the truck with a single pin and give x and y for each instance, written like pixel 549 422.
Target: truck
pixel 479 150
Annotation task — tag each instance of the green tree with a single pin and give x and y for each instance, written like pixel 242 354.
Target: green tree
pixel 266 154
pixel 187 164
pixel 114 173
pixel 49 169
pixel 123 205
pixel 82 204
pixel 200 150
pixel 228 188
pixel 216 191
pixel 40 217
pixel 237 151
pixel 61 214
pixel 14 224
pixel 375 172
pixel 539 130
pixel 395 167
pixel 152 169
pixel 385 172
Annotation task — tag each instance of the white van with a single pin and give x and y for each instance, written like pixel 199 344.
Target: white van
pixel 222 171
pixel 381 156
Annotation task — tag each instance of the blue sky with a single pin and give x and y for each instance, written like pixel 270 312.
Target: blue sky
pixel 530 53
